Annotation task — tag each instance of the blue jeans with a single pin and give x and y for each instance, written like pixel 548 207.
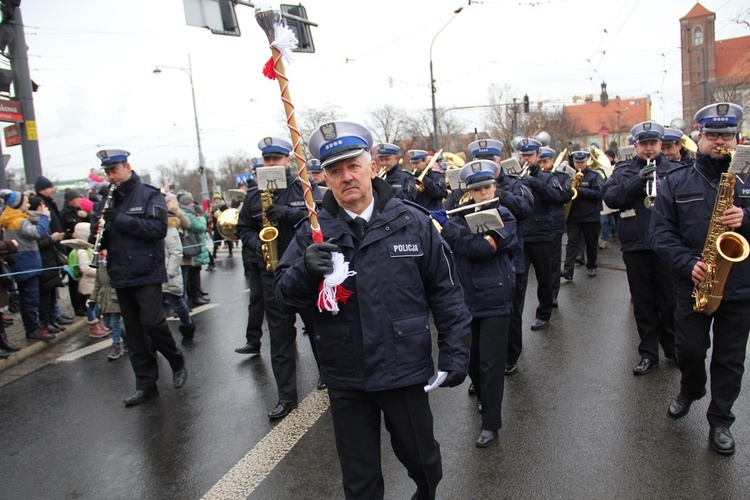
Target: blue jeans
pixel 112 321
pixel 90 313
pixel 180 308
pixel 29 291
pixel 606 228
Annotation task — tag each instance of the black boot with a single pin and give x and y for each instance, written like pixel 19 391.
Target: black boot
pixel 3 354
pixel 5 343
pixel 188 332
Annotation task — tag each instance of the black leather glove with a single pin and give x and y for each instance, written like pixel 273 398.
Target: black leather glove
pixel 453 379
pixel 275 213
pixel 109 214
pixel 647 172
pixel 318 259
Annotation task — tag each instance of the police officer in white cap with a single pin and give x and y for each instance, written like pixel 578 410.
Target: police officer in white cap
pixel 672 148
pixel 679 225
pixel 287 209
pixel 649 278
pixel 403 183
pixel 432 189
pixel 375 353
pixel 135 225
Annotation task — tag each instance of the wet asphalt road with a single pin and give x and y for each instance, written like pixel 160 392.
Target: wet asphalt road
pixel 576 422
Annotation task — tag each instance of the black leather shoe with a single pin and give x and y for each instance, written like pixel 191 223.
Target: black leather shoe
pixel 645 366
pixel 282 410
pixel 511 368
pixel 539 324
pixel 486 438
pixel 554 303
pixel 197 302
pixel 141 396
pixel 671 357
pixel 568 276
pixel 472 390
pixel 592 273
pixel 721 440
pixel 52 328
pixel 580 262
pixel 248 349
pixel 680 406
pixel 64 320
pixel 180 377
pixel 321 385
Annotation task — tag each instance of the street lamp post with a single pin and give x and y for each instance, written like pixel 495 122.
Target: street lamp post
pixel 201 166
pixel 432 83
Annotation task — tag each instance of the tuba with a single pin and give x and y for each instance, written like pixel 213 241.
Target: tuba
pixel 269 234
pixel 226 224
pixel 420 178
pixel 723 248
pixel 597 159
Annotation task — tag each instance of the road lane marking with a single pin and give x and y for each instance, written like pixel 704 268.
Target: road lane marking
pixel 252 469
pixel 197 310
pixel 72 356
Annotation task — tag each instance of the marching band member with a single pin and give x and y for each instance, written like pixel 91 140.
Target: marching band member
pixel 584 221
pixel 403 183
pixel 376 352
pixel 683 215
pixel 485 264
pixel 559 226
pixel 434 188
pixel 315 172
pixel 671 146
pixel 649 278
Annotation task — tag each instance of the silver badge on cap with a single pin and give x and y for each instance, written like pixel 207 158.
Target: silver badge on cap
pixel 525 142
pixel 267 141
pixel 329 131
pixel 476 168
pixel 722 109
pixel 482 144
pixel 647 126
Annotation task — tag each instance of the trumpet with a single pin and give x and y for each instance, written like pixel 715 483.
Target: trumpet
pixel 420 178
pixel 648 202
pixel 100 233
pixel 558 161
pixel 382 173
pixel 524 170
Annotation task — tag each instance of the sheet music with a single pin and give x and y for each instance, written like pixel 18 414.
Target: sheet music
pixel 627 152
pixel 453 179
pixel 511 166
pixel 483 221
pixel 741 161
pixel 275 177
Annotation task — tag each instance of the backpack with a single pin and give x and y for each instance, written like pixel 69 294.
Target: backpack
pixel 73 269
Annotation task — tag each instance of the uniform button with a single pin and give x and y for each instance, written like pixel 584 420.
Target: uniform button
pixel 387 228
pixel 427 327
pixel 407 218
pixel 399 332
pixel 317 337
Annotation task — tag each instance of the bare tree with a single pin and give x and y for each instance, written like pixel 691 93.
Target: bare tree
pixel 177 173
pixel 418 131
pixel 230 165
pixel 387 123
pixel 309 119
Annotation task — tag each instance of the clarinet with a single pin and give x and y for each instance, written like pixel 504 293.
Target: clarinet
pixel 100 231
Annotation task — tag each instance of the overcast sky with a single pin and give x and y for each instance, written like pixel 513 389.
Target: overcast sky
pixel 94 61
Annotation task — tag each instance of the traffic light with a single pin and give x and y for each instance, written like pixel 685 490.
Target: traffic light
pixel 301 30
pixel 526 103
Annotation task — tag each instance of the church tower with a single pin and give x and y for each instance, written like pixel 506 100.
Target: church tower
pixel 698 44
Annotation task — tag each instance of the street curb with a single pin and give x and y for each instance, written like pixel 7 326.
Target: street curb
pixel 32 349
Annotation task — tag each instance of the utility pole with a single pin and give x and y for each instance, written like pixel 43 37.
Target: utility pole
pixel 515 118
pixel 19 63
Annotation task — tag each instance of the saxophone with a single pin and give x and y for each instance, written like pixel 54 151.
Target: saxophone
pixel 269 234
pixel 723 248
pixel 577 181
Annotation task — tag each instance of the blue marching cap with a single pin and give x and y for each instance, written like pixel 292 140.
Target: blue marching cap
pixel 335 141
pixel 478 173
pixel 485 148
pixel 417 155
pixel 720 117
pixel 313 165
pixel 529 146
pixel 387 149
pixel 647 131
pixel 273 146
pixel 111 157
pixel 671 135
pixel 581 155
pixel 546 152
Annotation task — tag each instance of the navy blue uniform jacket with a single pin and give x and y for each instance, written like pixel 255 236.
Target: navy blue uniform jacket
pixel 588 204
pixel 559 222
pixel 135 238
pixel 681 217
pixel 488 276
pixel 434 191
pixel 626 192
pixel 403 183
pixel 547 192
pixel 380 339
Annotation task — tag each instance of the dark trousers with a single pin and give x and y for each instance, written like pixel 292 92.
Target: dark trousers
pixel 308 319
pixel 356 426
pixel 731 324
pixel 75 298
pixel 29 295
pixel 489 341
pixel 148 333
pixel 515 330
pixel 589 232
pixel 47 313
pixel 256 308
pixel 652 290
pixel 538 255
pixel 283 343
pixel 194 282
pixel 556 263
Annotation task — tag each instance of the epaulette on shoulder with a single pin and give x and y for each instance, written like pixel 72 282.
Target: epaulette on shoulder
pixel 416 206
pixel 676 165
pixel 621 163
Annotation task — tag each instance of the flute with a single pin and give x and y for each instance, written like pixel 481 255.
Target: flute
pixel 100 232
pixel 473 205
